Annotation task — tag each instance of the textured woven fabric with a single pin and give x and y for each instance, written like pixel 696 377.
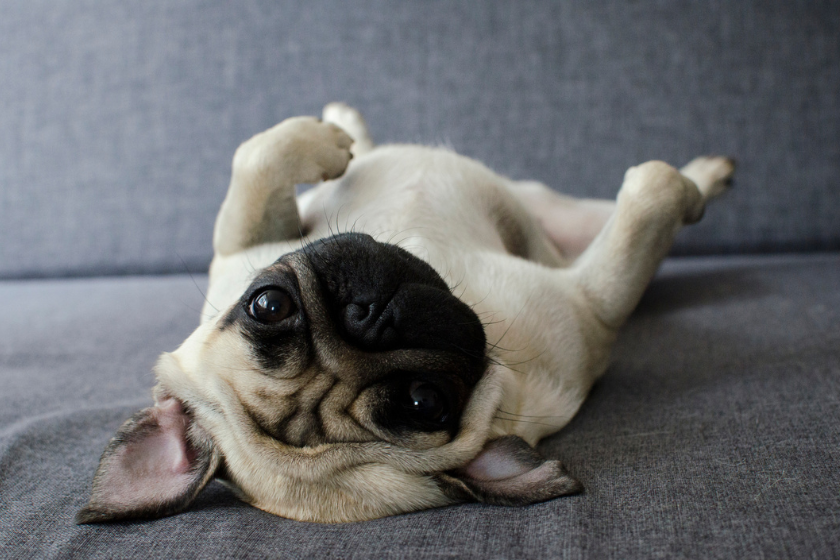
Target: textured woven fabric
pixel 118 120
pixel 714 434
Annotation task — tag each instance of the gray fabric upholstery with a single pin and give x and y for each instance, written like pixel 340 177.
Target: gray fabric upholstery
pixel 714 434
pixel 118 120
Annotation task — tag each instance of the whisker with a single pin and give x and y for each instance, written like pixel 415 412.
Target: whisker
pixel 528 422
pixel 504 334
pixel 196 283
pixel 239 370
pixel 401 231
pixel 497 347
pixel 479 302
pixel 528 416
pixel 191 308
pixel 327 218
pixel 508 367
pixel 337 217
pixel 356 221
pixel 531 359
pixel 248 260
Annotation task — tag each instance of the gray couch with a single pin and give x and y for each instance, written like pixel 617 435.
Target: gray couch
pixel 716 431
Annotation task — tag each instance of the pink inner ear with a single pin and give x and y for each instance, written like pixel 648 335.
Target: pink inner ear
pixel 495 463
pixel 153 467
pixel 508 471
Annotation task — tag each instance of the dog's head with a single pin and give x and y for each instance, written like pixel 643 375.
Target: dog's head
pixel 347 383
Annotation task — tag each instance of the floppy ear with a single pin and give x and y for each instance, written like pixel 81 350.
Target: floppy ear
pixel 509 472
pixel 155 465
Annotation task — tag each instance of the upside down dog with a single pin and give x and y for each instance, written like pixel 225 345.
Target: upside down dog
pixel 348 376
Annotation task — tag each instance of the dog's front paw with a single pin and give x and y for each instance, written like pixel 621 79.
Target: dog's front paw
pixel 304 148
pixel 711 174
pixel 322 149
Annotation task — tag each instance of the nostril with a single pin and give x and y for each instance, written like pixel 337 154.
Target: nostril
pixel 356 315
pixel 370 325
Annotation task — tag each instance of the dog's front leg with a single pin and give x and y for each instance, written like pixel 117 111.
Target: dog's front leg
pixel 260 205
pixel 654 202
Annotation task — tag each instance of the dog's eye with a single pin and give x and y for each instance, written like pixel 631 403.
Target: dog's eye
pixel 271 306
pixel 426 402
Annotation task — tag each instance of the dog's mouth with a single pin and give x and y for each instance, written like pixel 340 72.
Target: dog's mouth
pixel 365 341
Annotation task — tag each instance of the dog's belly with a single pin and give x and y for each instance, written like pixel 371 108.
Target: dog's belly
pixel 430 201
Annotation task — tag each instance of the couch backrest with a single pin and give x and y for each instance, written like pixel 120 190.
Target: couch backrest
pixel 118 120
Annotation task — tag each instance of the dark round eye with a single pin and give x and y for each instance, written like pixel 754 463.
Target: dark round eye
pixel 271 306
pixel 426 402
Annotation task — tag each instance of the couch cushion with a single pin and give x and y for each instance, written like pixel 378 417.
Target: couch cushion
pixel 118 121
pixel 715 433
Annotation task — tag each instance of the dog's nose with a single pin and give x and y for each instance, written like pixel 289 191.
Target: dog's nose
pixel 383 298
pixel 370 325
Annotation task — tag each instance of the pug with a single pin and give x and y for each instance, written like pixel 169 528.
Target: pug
pixel 399 337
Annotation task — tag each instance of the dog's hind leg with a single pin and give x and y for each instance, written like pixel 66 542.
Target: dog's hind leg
pixel 260 205
pixel 352 122
pixel 654 202
pixel 711 174
pixel 573 223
